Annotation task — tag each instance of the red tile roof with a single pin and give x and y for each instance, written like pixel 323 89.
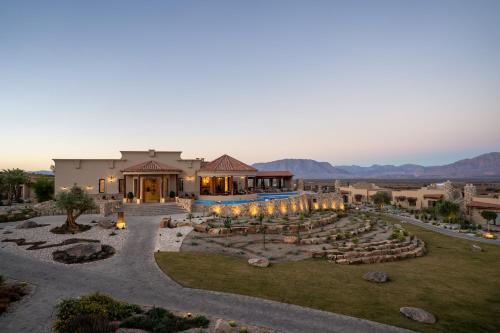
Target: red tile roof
pixel 284 173
pixel 483 205
pixel 151 166
pixel 227 163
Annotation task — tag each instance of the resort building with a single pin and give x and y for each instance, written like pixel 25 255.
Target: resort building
pixel 157 176
pixel 421 198
pixel 475 204
pixel 359 193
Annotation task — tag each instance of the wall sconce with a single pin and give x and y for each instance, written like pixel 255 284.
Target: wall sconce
pixel 189 178
pixel 111 179
pixel 64 188
pixel 89 188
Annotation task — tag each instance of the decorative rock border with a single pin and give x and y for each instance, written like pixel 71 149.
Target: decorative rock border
pixel 374 252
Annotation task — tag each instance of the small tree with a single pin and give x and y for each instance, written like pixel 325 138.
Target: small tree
pixel 44 189
pixel 75 202
pixel 381 198
pixel 489 215
pixel 299 223
pixel 262 229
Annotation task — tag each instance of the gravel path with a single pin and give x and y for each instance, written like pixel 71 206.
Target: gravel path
pixel 43 234
pixel 134 276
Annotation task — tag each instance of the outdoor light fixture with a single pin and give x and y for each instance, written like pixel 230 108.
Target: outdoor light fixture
pixel 64 188
pixel 111 179
pixel 120 222
pixel 489 235
pixel 89 188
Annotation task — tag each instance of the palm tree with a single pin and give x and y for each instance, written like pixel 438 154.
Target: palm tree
pixel 12 179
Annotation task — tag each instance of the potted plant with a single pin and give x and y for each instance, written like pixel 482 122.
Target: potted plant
pixel 130 197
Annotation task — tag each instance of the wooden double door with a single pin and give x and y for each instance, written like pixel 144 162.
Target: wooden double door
pixel 152 189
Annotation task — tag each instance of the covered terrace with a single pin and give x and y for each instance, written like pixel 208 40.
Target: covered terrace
pixel 226 178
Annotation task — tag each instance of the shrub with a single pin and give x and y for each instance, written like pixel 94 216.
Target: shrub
pixel 398 234
pixel 130 195
pixel 94 323
pixel 44 189
pixel 159 320
pixel 179 234
pixel 94 304
pixel 172 194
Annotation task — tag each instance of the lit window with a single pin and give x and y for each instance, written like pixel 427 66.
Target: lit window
pixel 102 185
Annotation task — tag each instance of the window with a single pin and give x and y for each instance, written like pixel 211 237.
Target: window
pixel 102 185
pixel 121 185
pixel 136 187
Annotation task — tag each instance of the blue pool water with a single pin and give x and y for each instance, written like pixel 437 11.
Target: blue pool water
pixel 260 197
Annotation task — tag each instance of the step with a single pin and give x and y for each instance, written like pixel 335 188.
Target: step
pixel 153 209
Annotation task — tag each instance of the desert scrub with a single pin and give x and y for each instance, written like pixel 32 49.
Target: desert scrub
pixel 97 306
pixel 159 320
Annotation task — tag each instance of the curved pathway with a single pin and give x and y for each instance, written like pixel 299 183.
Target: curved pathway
pixel 133 276
pixel 443 231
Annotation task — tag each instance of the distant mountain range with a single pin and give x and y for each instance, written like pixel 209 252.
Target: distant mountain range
pixel 486 165
pixel 43 172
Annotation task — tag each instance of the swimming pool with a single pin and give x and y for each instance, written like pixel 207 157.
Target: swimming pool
pixel 260 197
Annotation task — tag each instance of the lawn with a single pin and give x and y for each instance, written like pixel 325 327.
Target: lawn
pixel 460 287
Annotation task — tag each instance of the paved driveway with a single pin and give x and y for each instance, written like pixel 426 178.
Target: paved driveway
pixel 443 231
pixel 134 276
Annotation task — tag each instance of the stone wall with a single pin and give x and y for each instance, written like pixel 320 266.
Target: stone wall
pixel 187 204
pixel 302 203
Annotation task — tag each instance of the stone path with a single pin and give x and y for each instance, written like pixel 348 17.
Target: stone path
pixel 134 276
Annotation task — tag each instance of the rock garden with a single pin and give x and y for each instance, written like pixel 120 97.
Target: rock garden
pixel 334 235
pixel 99 239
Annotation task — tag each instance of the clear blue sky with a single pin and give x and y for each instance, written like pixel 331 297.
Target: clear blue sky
pixel 340 81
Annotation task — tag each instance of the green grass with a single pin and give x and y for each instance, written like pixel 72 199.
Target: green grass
pixel 461 287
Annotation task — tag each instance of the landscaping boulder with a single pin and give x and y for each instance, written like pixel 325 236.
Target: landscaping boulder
pixel 377 277
pixel 83 253
pixel 166 223
pixel 290 239
pixel 27 225
pixel 259 262
pixel 418 314
pixel 130 330
pixel 84 250
pixel 106 223
pixel 476 248
pixel 222 326
pixel 202 227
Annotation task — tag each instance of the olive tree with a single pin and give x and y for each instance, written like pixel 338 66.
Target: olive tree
pixel 75 202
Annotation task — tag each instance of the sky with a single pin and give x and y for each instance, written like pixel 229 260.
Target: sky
pixel 348 82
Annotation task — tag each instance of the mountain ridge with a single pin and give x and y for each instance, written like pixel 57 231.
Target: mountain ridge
pixel 484 165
